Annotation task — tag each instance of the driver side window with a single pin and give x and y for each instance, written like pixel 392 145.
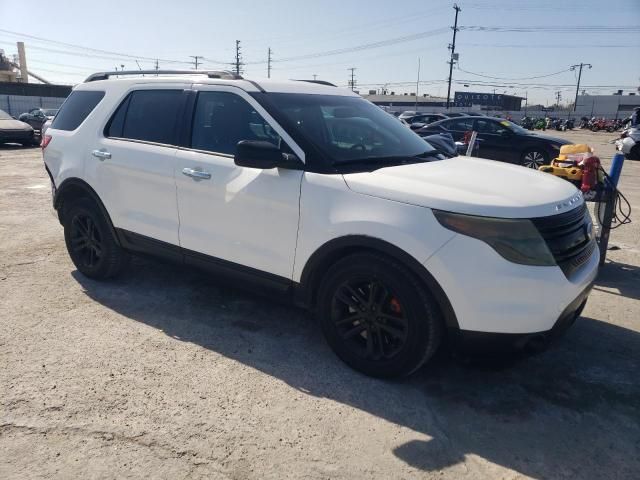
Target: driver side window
pixel 222 119
pixel 487 126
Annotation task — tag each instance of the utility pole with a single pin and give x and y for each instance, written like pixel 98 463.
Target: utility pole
pixel 417 84
pixel 558 98
pixel 269 63
pixel 352 82
pixel 22 61
pixel 452 46
pixel 315 76
pixel 157 65
pixel 573 67
pixel 196 60
pixel 238 62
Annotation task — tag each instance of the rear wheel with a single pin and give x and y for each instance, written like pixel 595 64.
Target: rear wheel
pixel 376 317
pixel 90 242
pixel 534 158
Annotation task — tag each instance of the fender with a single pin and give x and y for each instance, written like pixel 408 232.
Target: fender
pixel 74 188
pixel 334 249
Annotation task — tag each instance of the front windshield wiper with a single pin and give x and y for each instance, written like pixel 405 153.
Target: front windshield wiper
pixel 391 160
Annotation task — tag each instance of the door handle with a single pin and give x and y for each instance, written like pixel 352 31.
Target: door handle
pixel 196 174
pixel 101 154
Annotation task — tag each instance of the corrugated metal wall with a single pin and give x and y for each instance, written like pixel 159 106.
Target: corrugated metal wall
pixel 17 104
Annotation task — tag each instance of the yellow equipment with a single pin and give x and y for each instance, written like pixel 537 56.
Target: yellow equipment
pixel 567 165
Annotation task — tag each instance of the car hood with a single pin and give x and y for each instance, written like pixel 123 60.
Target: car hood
pixel 549 138
pixel 472 186
pixel 11 124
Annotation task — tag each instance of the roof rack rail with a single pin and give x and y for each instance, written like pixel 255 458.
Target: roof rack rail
pixel 319 82
pixel 224 74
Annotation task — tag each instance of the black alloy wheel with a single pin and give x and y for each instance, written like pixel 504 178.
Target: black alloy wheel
pixel 370 317
pixel 86 241
pixel 377 316
pixel 90 240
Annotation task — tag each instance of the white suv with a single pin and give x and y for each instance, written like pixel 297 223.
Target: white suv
pixel 308 190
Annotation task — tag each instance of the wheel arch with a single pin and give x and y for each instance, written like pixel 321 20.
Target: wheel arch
pixel 327 254
pixel 74 188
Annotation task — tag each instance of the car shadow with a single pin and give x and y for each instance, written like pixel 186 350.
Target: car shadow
pixel 571 412
pixel 620 276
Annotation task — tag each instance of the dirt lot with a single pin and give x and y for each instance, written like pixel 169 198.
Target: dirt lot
pixel 164 374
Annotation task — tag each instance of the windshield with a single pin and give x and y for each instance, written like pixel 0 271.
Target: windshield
pixel 514 127
pixel 349 129
pixel 50 112
pixel 4 115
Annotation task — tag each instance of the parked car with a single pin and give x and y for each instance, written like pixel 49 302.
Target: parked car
pixel 312 192
pixel 422 119
pixel 15 131
pixel 36 117
pixel 501 139
pixel 454 114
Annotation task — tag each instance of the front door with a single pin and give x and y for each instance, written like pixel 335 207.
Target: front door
pixel 497 140
pixel 236 217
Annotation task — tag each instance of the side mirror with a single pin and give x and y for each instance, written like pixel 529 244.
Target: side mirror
pixel 260 154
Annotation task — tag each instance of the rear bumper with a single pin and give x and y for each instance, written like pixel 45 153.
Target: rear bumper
pixel 16 135
pixel 483 342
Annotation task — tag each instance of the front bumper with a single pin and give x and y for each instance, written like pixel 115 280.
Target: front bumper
pixel 17 136
pixel 483 342
pixel 489 294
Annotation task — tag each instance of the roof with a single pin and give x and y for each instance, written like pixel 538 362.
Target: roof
pixel 264 85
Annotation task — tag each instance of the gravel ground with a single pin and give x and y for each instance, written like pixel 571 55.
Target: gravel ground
pixel 163 373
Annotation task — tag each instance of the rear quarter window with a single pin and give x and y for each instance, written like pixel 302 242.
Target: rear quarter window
pixel 76 109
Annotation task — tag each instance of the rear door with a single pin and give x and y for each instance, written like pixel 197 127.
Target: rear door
pixel 133 162
pixel 238 219
pixel 457 127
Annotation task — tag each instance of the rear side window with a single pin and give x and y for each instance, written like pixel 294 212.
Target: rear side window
pixel 76 108
pixel 460 124
pixel 148 115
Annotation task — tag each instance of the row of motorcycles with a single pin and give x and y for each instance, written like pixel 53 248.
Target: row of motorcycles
pixel 547 123
pixel 594 124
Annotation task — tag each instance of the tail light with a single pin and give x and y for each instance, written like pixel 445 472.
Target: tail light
pixel 45 141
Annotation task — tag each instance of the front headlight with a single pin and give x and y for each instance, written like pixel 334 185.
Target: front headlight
pixel 516 240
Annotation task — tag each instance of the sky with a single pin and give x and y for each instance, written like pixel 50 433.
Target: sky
pixel 502 44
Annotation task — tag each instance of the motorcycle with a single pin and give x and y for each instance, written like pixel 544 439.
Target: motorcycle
pixel 629 143
pixel 527 123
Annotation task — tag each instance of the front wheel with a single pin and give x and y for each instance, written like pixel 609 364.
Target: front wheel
pixel 376 316
pixel 534 159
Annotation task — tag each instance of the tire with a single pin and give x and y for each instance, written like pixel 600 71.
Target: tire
pixel 534 158
pixel 90 241
pixel 634 154
pixel 376 316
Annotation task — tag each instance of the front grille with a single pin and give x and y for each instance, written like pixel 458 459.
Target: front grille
pixel 568 236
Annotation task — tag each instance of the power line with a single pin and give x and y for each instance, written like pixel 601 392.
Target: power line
pixel 452 47
pixel 89 49
pixel 555 29
pixel 366 46
pixel 520 78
